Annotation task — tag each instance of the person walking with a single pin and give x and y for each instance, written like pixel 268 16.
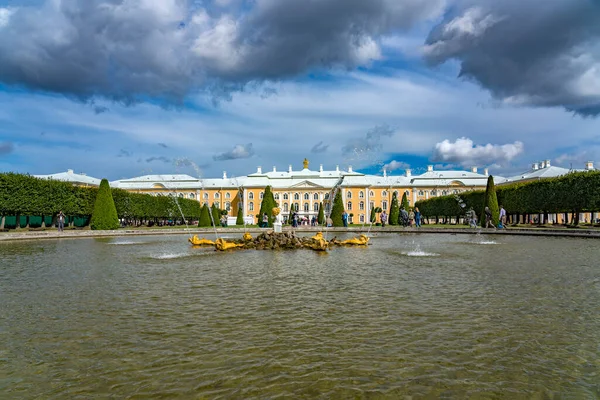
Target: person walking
pixel 472 216
pixel 417 217
pixel 61 221
pixel 345 218
pixel 488 218
pixel 502 222
pixel 383 217
pixel 411 217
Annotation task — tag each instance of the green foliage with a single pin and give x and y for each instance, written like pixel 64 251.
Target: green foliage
pixel 240 217
pixel 337 210
pixel 216 214
pixel 405 204
pixel 394 210
pixel 204 220
pixel 373 217
pixel 491 201
pixel 574 192
pixel 321 216
pixel 105 215
pixel 291 214
pixel 267 205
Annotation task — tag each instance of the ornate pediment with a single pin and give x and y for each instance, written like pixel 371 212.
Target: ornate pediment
pixel 307 184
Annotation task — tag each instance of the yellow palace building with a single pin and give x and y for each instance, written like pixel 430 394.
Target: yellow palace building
pixel 304 189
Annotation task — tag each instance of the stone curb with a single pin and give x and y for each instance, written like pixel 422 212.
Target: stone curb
pixel 72 234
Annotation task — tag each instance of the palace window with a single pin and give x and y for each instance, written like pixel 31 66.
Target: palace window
pixel 349 205
pixel 296 196
pixel 251 196
pixel 384 193
pixel 251 206
pixel 227 206
pixel 217 195
pixel 316 207
pixel 421 193
pixel 296 206
pixel 396 193
pixel 371 194
pixel 371 205
pixel 205 195
pixel 306 207
pixel 348 195
pixel 227 195
pixel 192 196
pixel 434 192
pixel 362 218
pixel 286 207
pixel 444 192
pixel 217 204
pixel 276 196
pixel 261 195
pixel 361 205
pixel 285 196
pixel 316 196
pixel 361 194
pixel 180 195
pixel 384 205
pixel 306 196
pixel 326 196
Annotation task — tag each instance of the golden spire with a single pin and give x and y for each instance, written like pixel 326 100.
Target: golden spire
pixel 305 163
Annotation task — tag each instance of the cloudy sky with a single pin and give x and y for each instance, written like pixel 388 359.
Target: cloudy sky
pixel 122 88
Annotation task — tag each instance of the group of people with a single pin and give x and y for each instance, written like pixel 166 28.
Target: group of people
pixel 489 222
pixel 405 218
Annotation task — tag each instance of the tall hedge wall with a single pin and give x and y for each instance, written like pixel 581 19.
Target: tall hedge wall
pixel 26 195
pixel 575 192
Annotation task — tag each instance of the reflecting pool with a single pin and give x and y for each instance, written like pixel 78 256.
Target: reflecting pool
pixel 440 316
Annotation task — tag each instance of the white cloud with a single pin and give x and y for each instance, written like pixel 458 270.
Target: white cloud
pixel 5 14
pixel 395 165
pixel 464 152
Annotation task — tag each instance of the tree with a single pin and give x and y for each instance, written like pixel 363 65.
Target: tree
pixel 405 204
pixel 337 210
pixel 394 210
pixel 491 201
pixel 240 217
pixel 291 214
pixel 267 205
pixel 216 214
pixel 204 220
pixel 321 216
pixel 104 216
pixel 373 217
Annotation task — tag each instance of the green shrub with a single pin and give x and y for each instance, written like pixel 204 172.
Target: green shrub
pixel 104 216
pixel 337 210
pixel 204 220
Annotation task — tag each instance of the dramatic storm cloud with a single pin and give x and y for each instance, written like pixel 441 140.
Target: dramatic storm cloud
pixel 526 52
pixel 129 50
pixel 465 153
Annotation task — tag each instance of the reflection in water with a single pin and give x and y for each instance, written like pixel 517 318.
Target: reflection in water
pixel 84 318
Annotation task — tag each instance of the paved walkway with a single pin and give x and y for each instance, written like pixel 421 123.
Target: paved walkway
pixel 84 233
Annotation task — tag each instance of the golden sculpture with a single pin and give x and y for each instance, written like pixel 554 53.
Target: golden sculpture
pixel 362 240
pixel 275 211
pixel 318 242
pixel 196 241
pixel 305 162
pixel 222 245
pixel 247 237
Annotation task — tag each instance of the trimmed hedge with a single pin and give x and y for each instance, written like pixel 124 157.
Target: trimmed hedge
pixel 575 192
pixel 24 195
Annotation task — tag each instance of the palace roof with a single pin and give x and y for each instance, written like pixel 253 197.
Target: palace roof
pixel 70 176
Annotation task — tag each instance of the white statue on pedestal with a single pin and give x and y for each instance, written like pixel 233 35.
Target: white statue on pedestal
pixel 277 225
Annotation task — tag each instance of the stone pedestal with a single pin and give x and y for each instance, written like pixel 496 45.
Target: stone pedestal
pixel 277 227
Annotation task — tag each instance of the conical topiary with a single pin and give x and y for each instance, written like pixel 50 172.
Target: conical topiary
pixel 105 215
pixel 267 205
pixel 204 220
pixel 394 210
pixel 321 216
pixel 490 200
pixel 373 217
pixel 337 210
pixel 240 217
pixel 405 204
pixel 216 214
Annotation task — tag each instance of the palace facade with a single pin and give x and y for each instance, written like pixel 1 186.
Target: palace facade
pixel 304 189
